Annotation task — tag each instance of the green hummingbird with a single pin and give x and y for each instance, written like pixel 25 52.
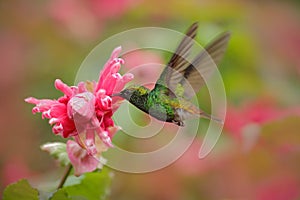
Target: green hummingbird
pixel 170 100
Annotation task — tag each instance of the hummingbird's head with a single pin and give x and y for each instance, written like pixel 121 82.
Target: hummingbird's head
pixel 132 91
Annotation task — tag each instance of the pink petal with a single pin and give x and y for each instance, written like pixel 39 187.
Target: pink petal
pixel 81 87
pixel 122 82
pixel 81 161
pixel 42 105
pixel 82 105
pixel 107 68
pixel 115 66
pixel 58 110
pixel 116 52
pixel 104 136
pixel 32 100
pixel 69 127
pixel 90 142
pixel 63 87
pixel 109 84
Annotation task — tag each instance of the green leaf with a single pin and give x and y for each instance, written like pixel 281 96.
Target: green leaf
pixel 73 180
pixel 20 190
pixel 93 186
pixel 60 195
pixel 58 151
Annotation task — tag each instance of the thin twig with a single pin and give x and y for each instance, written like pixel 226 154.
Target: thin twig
pixel 64 178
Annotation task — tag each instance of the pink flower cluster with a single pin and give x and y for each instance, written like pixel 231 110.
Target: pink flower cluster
pixel 258 112
pixel 84 113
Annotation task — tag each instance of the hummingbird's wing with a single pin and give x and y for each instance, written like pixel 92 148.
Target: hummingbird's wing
pixel 177 65
pixel 183 79
pixel 204 63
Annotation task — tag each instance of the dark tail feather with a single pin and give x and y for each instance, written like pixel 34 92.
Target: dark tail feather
pixel 207 116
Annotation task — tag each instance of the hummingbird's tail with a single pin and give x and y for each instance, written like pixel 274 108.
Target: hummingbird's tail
pixel 207 116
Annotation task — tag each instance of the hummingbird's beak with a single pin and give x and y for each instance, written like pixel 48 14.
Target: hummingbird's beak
pixel 115 94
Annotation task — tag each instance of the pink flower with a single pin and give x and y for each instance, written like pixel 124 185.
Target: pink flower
pixel 84 113
pixel 81 159
pixel 243 120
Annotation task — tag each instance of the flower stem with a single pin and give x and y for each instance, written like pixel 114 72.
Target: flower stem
pixel 65 176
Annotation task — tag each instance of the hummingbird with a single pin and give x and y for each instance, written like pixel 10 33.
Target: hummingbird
pixel 170 99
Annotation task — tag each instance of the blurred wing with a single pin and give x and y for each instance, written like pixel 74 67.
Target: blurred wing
pixel 204 63
pixel 175 68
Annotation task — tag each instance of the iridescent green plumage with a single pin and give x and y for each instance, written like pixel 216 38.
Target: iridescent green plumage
pixel 170 99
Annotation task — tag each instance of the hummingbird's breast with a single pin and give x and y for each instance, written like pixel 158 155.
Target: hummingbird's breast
pixel 140 101
pixel 160 107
